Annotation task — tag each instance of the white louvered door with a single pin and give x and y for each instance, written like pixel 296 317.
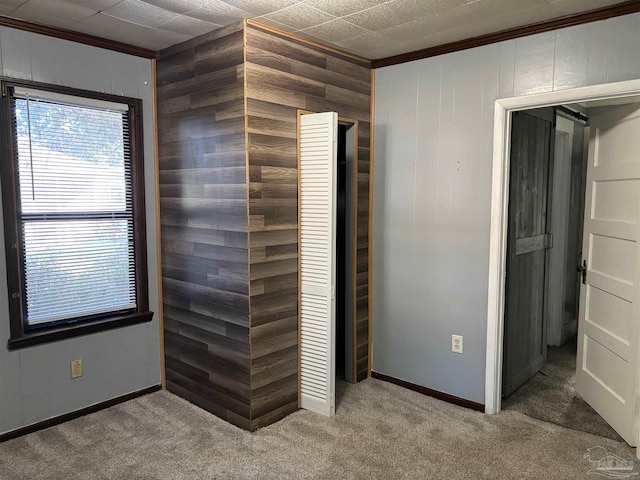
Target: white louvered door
pixel 318 158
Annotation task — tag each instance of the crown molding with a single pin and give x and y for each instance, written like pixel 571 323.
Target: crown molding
pixel 625 8
pixel 77 37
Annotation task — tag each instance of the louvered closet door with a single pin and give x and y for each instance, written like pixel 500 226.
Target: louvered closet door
pixel 318 158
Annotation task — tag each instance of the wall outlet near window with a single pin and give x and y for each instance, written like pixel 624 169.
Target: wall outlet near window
pixel 456 343
pixel 76 368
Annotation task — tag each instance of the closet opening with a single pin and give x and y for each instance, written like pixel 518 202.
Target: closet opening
pixel 345 251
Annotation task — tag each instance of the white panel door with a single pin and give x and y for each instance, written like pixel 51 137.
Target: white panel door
pixel 608 327
pixel 318 158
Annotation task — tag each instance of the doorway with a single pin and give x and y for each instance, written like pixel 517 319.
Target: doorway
pixel 529 240
pixel 598 245
pixel 345 251
pixel 544 237
pixel 547 187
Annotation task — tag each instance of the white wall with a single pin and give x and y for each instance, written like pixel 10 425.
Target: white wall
pixel 35 382
pixel 432 186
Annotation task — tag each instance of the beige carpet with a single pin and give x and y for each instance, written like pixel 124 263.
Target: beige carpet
pixel 551 395
pixel 380 431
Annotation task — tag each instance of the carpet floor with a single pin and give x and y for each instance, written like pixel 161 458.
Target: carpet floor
pixel 550 395
pixel 380 431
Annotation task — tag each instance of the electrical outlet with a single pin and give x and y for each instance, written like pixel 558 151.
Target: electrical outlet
pixel 456 343
pixel 76 368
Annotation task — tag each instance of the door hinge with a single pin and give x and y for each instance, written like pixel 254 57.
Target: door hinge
pixel 583 270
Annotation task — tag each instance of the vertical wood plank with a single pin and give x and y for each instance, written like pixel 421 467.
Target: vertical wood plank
pixel 535 58
pixel 570 68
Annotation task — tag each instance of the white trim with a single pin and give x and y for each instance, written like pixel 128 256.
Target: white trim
pixel 499 202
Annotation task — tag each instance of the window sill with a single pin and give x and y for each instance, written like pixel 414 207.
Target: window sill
pixel 70 331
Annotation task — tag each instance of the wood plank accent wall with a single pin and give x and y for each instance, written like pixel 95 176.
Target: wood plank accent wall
pixel 229 222
pixel 282 76
pixel 204 229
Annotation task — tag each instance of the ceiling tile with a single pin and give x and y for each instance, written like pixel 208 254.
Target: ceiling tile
pixel 567 7
pixel 333 30
pixel 60 10
pixel 381 51
pixel 409 30
pixel 488 8
pixel 113 28
pixel 422 33
pixel 370 28
pixel 103 25
pixel 189 26
pixel 274 24
pixel 52 21
pixel 462 16
pixel 178 6
pixel 319 40
pixel 300 16
pixel 137 11
pixel 432 40
pixel 12 3
pixel 261 7
pixel 156 39
pixel 496 23
pixel 340 9
pixel 97 5
pixel 364 41
pixel 216 11
pixel 397 12
pixel 376 51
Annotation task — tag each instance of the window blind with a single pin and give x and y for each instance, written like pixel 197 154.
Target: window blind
pixel 73 160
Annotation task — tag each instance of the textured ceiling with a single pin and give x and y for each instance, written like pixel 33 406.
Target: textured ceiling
pixel 369 28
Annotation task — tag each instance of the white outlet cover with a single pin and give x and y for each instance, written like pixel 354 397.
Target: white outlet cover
pixel 456 343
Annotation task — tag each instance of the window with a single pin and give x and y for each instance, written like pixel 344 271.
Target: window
pixel 73 201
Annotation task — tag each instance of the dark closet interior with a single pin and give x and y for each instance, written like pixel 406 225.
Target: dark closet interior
pixel 341 287
pixel 344 246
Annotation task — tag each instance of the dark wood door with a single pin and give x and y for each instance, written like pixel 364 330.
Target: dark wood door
pixel 525 327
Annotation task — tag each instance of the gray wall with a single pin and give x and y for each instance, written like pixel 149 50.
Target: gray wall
pixel 35 382
pixel 432 186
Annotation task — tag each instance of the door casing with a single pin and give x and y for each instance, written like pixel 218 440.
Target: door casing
pixel 499 212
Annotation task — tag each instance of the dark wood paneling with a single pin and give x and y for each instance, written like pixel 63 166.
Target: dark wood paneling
pixel 283 76
pixel 229 235
pixel 203 214
pixel 625 8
